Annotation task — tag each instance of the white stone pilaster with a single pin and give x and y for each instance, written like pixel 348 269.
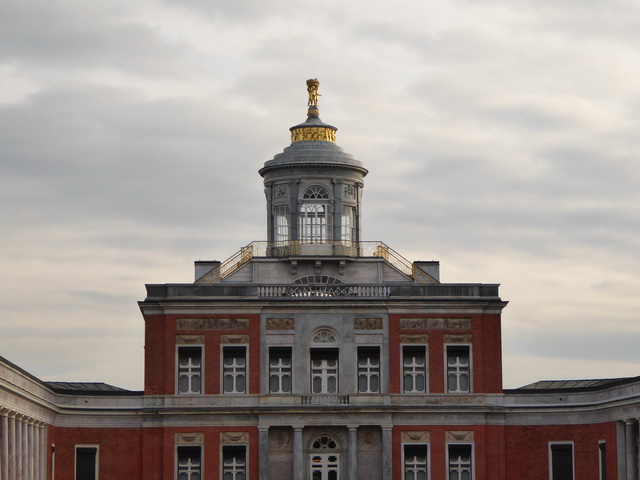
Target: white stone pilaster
pixel 387 453
pixel 353 451
pixel 298 466
pixel 263 454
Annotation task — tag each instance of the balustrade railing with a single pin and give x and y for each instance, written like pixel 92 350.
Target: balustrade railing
pixel 325 400
pixel 297 248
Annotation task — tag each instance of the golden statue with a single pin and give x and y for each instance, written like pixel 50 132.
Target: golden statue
pixel 312 88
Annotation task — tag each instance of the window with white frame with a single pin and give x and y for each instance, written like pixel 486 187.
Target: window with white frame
pixel 280 370
pixel 561 461
pixel 416 462
pixel 189 370
pixel 324 370
pixel 414 369
pixel 234 462
pixel 458 369
pixel 368 370
pixel 602 455
pixel 348 227
pixel 281 223
pixel 86 463
pixel 314 215
pixel 189 462
pixel 460 457
pixel 234 370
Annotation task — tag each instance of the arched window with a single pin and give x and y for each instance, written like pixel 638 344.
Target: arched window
pixel 315 218
pixel 324 460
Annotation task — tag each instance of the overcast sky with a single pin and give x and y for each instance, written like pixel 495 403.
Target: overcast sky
pixel 501 136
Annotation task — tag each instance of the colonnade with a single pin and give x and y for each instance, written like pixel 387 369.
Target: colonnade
pixel 351 467
pixel 23 442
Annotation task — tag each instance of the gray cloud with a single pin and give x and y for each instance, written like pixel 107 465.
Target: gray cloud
pixel 501 139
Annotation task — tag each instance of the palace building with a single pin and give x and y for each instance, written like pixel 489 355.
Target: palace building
pixel 319 355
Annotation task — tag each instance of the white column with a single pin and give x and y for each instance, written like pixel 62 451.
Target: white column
pixel 387 452
pixel 263 447
pixel 30 449
pixel 42 448
pixel 19 446
pixel 4 444
pixel 12 445
pixel 630 440
pixel 353 452
pixel 298 466
pixel 25 448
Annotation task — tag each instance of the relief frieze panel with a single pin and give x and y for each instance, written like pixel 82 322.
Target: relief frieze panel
pixel 234 437
pixel 367 323
pixel 189 438
pixel 414 338
pixel 453 437
pixel 281 323
pixel 435 323
pixel 458 338
pixel 189 339
pixel 416 437
pixel 212 324
pixel 234 338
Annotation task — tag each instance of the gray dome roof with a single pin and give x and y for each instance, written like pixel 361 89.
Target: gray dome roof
pixel 313 153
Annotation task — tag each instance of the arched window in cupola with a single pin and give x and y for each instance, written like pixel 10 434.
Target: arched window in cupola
pixel 314 215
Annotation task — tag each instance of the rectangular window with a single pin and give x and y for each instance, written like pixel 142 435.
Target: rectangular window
pixel 460 462
pixel 189 463
pixel 189 370
pixel 368 369
pixel 602 453
pixel 234 462
pixel 348 230
pixel 458 369
pixel 414 369
pixel 315 223
pixel 281 224
pixel 234 369
pixel 561 461
pixel 280 370
pixel 324 370
pixel 86 463
pixel 415 462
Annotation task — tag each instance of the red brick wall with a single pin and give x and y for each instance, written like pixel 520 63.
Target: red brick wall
pixel 160 353
pixel 144 453
pixel 119 451
pixel 527 449
pixel 488 446
pixel 486 352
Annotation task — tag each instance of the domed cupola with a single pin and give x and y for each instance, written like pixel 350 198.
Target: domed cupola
pixel 313 187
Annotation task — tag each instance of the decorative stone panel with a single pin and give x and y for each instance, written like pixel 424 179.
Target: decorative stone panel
pixel 234 437
pixel 435 324
pixel 234 338
pixel 368 339
pixel 416 437
pixel 281 323
pixel 189 438
pixel 458 338
pixel 414 338
pixel 212 324
pixel 189 339
pixel 281 190
pixel 367 323
pixel 280 339
pixel 459 437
